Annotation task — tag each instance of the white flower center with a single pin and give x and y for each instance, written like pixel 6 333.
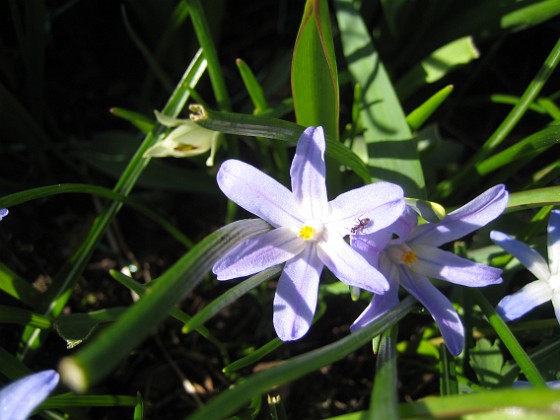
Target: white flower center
pixel 312 230
pixel 402 254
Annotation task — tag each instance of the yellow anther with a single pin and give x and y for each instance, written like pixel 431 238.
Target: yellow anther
pixel 306 232
pixel 409 257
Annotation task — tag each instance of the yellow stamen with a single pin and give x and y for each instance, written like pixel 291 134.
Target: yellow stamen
pixel 184 148
pixel 306 232
pixel 409 257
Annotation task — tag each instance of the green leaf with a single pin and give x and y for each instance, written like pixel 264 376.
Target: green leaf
pixel 383 403
pixel 533 198
pixel 140 121
pixel 419 115
pixel 314 73
pixel 393 154
pixel 12 284
pixel 100 356
pixel 273 128
pixel 487 362
pixel 12 315
pixel 75 328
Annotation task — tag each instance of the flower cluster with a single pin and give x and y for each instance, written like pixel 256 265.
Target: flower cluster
pixel 387 246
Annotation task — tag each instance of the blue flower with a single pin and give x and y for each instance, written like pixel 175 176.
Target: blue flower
pixel 3 213
pixel 308 231
pixel 547 285
pixel 408 254
pixel 21 397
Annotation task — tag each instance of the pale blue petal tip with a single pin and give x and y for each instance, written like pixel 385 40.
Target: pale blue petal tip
pixel 3 213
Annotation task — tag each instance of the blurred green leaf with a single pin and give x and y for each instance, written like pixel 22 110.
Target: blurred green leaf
pixel 11 315
pixel 383 402
pixel 314 73
pixel 487 360
pixel 17 287
pixel 71 400
pixel 533 198
pixel 140 121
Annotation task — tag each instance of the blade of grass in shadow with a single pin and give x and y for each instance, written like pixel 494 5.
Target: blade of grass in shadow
pixel 464 176
pixel 234 398
pixel 392 151
pixel 17 287
pixel 204 36
pixel 383 403
pixel 11 315
pixel 60 290
pixel 42 192
pixel 229 297
pixel 98 358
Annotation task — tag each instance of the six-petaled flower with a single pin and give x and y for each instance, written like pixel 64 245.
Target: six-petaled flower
pixel 408 255
pixel 308 231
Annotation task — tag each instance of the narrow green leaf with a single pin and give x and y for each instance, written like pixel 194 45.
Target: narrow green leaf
pixel 11 367
pixel 273 128
pixel 100 356
pixel 384 402
pixel 419 115
pixel 139 408
pixel 254 356
pixel 253 86
pixel 520 403
pixel 11 315
pixel 204 36
pixel 140 121
pixel 525 149
pixel 534 198
pixel 68 400
pixel 393 154
pixel 229 297
pixel 12 284
pixel 448 384
pixel 50 190
pixel 314 73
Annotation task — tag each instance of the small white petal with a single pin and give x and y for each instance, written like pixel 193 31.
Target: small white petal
pixel 259 253
pixel 532 295
pixel 444 265
pixel 554 241
pixel 308 174
pixel 258 193
pixel 349 266
pixel 526 255
pixel 295 300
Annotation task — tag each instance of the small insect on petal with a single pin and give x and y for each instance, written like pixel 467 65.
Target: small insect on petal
pixel 362 223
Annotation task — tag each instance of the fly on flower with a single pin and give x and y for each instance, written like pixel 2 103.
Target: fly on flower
pixel 408 254
pixel 308 231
